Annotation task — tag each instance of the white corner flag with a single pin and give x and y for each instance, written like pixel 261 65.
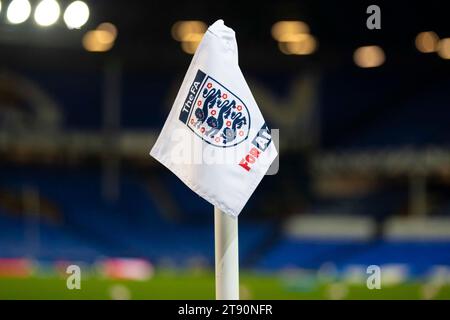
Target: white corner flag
pixel 215 138
pixel 217 142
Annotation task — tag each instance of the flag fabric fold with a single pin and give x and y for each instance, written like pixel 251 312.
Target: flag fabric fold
pixel 215 138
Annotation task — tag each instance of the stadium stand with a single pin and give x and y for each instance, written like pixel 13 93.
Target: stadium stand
pixel 84 233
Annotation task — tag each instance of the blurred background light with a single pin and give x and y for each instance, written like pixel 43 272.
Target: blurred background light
pixel 101 39
pixel 109 28
pixel 97 41
pixel 300 44
pixel 369 56
pixel 18 11
pixel 181 30
pixel 427 42
pixel 76 15
pixel 285 28
pixel 191 42
pixel 0 6
pixel 444 48
pixel 293 37
pixel 47 12
pixel 189 33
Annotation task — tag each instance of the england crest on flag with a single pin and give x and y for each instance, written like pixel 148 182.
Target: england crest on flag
pixel 215 113
pixel 215 138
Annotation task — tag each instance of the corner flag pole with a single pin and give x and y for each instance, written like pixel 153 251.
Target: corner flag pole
pixel 227 256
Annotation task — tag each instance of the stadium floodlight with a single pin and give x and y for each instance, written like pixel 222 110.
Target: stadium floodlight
pixel 76 14
pixel 47 13
pixel 18 11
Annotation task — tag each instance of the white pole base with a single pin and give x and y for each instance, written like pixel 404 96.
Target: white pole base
pixel 227 256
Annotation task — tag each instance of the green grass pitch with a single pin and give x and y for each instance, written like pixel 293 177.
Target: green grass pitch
pixel 191 285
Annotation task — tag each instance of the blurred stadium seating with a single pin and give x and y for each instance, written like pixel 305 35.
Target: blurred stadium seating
pixel 90 227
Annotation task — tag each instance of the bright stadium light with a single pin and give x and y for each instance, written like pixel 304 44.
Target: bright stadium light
pixel 110 29
pixel 298 44
pixel 182 30
pixel 191 42
pixel 97 41
pixel 189 33
pixel 444 48
pixel 18 11
pixel 369 56
pixel 76 15
pixel 427 42
pixel 47 13
pixel 0 6
pixel 286 28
